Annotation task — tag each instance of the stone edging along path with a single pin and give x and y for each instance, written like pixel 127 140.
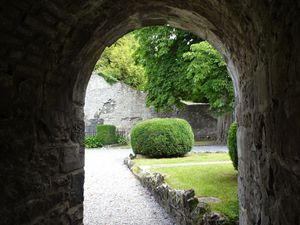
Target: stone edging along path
pixel 182 205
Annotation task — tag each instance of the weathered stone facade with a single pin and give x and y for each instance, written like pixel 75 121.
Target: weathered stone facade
pixel 48 49
pixel 223 126
pixel 122 106
pixel 116 104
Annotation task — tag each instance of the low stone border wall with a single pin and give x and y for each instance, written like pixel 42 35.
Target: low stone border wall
pixel 182 205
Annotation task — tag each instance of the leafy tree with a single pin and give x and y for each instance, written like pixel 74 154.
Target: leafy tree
pixel 180 66
pixel 211 79
pixel 170 65
pixel 117 63
pixel 161 52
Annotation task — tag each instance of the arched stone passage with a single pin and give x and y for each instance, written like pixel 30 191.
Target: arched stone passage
pixel 48 49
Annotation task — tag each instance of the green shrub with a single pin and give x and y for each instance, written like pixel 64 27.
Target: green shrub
pixel 106 134
pixel 122 140
pixel 232 144
pixel 162 138
pixel 108 78
pixel 92 142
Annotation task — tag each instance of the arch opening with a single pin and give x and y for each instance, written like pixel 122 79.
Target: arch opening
pixel 112 108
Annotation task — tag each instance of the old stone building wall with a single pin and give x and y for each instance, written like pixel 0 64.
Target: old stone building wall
pixel 223 126
pixel 116 104
pixel 120 105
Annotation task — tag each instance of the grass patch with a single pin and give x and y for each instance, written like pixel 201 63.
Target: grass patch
pixel 207 180
pixel 191 157
pixel 219 180
pixel 204 143
pixel 121 147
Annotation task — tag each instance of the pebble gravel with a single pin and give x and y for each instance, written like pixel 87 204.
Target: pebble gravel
pixel 210 149
pixel 113 196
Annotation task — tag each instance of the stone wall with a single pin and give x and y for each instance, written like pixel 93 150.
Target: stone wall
pixel 223 126
pixel 116 104
pixel 182 205
pixel 122 106
pixel 204 125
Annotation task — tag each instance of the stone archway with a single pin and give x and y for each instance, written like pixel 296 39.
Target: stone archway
pixel 48 49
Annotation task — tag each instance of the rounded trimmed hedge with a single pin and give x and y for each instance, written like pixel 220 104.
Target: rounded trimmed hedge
pixel 232 144
pixel 157 138
pixel 106 134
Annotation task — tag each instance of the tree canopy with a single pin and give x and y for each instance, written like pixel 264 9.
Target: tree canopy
pixel 117 63
pixel 161 52
pixel 180 66
pixel 210 77
pixel 170 65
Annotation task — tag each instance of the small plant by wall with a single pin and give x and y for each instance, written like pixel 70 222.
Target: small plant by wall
pixel 106 134
pixel 162 138
pixel 122 140
pixel 92 142
pixel 232 144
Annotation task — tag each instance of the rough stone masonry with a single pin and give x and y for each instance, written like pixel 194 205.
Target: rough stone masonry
pixel 48 49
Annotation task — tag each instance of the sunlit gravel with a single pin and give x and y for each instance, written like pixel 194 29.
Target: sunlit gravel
pixel 113 196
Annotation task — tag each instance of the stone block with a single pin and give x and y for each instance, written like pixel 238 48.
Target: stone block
pixel 77 181
pixel 76 213
pixel 72 158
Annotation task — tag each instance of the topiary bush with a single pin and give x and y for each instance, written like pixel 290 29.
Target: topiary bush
pixel 159 138
pixel 106 134
pixel 92 142
pixel 232 144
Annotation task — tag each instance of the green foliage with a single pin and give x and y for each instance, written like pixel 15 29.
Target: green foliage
pixel 170 65
pixel 161 52
pixel 178 67
pixel 162 138
pixel 122 140
pixel 108 78
pixel 232 144
pixel 106 134
pixel 211 78
pixel 92 142
pixel 117 63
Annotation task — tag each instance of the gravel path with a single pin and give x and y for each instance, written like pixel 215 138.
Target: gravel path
pixel 113 196
pixel 212 148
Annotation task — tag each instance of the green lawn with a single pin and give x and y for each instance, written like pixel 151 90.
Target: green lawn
pixel 121 147
pixel 191 157
pixel 218 180
pixel 204 143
